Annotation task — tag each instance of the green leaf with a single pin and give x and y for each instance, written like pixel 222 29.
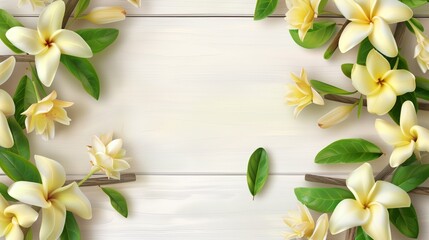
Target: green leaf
pixel 81 6
pixel 7 21
pixel 119 203
pixel 257 171
pixel 38 83
pixel 29 234
pixel 21 146
pixel 317 36
pixel 18 168
pixel 5 194
pixel 322 6
pixel 71 229
pixel 347 69
pixel 325 88
pixel 395 112
pixel 364 48
pixel 24 96
pixel 416 24
pixel 422 89
pixel 405 220
pixel 414 3
pixel 264 8
pixel 410 177
pixel 322 199
pixel 354 150
pixel 83 70
pixel 361 235
pixel 360 106
pixel 99 38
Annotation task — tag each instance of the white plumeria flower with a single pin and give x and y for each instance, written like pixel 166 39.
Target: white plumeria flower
pixel 335 116
pixel 105 15
pixel 301 15
pixel 369 208
pixel 49 42
pixel 371 18
pixel 13 217
pixel 107 155
pixel 408 138
pixel 136 3
pixel 421 52
pixel 302 225
pixel 7 106
pixel 54 198
pixel 301 93
pixel 380 83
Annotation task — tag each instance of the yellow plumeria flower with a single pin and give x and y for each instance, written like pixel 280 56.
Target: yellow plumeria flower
pixel 369 208
pixel 49 42
pixel 421 52
pixel 54 198
pixel 301 93
pixel 408 138
pixel 107 155
pixel 136 3
pixel 42 115
pixel 105 15
pixel 380 83
pixel 13 217
pixel 302 225
pixel 371 18
pixel 7 106
pixel 301 15
pixel 335 116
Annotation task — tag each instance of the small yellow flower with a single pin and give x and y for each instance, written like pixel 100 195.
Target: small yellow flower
pixel 301 15
pixel 302 225
pixel 105 15
pixel 335 116
pixel 301 93
pixel 42 115
pixel 107 155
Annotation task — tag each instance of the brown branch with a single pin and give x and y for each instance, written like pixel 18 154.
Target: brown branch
pixel 334 44
pixel 387 170
pixel 70 6
pixel 399 33
pixel 19 58
pixel 128 177
pixel 350 234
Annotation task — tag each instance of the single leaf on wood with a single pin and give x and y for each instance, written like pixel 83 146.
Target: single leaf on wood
pixel 257 171
pixel 7 21
pixel 354 150
pixel 18 168
pixel 322 199
pixel 317 36
pixel 98 38
pixel 264 8
pixel 325 88
pixel 71 229
pixel 410 177
pixel 405 220
pixel 119 203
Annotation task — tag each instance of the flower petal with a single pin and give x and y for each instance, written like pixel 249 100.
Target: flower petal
pixel 14 233
pixel 408 117
pixel 389 195
pixel 383 101
pixel 24 214
pixel 51 19
pixel 321 230
pixel 348 213
pixel 401 153
pixel 53 220
pixel 401 81
pixel 335 116
pixel 6 138
pixel 3 203
pixel 378 226
pixel 393 11
pixel 29 193
pixel 351 10
pixel 47 64
pixel 377 65
pixel 360 182
pixel 120 165
pixel 52 173
pixel 25 39
pixel 7 106
pixel 422 143
pixel 71 43
pixel 6 69
pixel 317 99
pixel 382 38
pixel 390 133
pixel 362 80
pixel 74 200
pixel 353 34
pixel 114 147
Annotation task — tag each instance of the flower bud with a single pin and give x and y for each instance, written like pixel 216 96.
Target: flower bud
pixel 136 3
pixel 105 15
pixel 335 116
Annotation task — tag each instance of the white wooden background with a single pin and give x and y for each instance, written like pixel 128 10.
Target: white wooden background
pixel 193 87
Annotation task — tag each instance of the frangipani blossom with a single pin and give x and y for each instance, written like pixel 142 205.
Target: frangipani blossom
pixel 301 15
pixel 42 115
pixel 371 18
pixel 13 217
pixel 105 15
pixel 7 106
pixel 49 42
pixel 380 83
pixel 54 198
pixel 408 138
pixel 369 208
pixel 301 93
pixel 421 52
pixel 302 225
pixel 107 155
pixel 136 3
pixel 335 116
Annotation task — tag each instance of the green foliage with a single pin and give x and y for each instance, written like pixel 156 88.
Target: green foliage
pixel 346 68
pixel 361 235
pixel 317 36
pixel 414 3
pixel 354 150
pixel 416 23
pixel 99 38
pixel 81 6
pixel 5 194
pixel 257 171
pixel 7 21
pixel 24 96
pixel 119 203
pixel 364 48
pixel 422 89
pixel 405 220
pixel 410 177
pixel 395 112
pixel 264 8
pixel 325 88
pixel 322 199
pixel 29 234
pixel 18 168
pixel 71 229
pixel 21 145
pixel 360 106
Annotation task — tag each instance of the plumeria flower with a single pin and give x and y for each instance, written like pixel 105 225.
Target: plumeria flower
pixel 7 106
pixel 380 83
pixel 105 15
pixel 371 18
pixel 335 116
pixel 421 52
pixel 54 198
pixel 107 155
pixel 13 217
pixel 136 3
pixel 301 15
pixel 408 138
pixel 301 93
pixel 42 115
pixel 49 42
pixel 369 208
pixel 302 225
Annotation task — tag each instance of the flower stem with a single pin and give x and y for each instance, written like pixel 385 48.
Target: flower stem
pixel 94 170
pixel 128 177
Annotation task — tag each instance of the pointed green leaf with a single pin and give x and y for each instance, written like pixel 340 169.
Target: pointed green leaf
pixel 21 145
pixel 317 36
pixel 364 48
pixel 24 96
pixel 354 150
pixel 322 199
pixel 414 3
pixel 360 106
pixel 29 234
pixel 99 38
pixel 7 21
pixel 81 6
pixel 71 229
pixel 119 203
pixel 405 220
pixel 395 112
pixel 325 88
pixel 346 68
pixel 361 235
pixel 257 171
pixel 18 168
pixel 416 24
pixel 264 8
pixel 410 177
pixel 39 86
pixel 5 194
